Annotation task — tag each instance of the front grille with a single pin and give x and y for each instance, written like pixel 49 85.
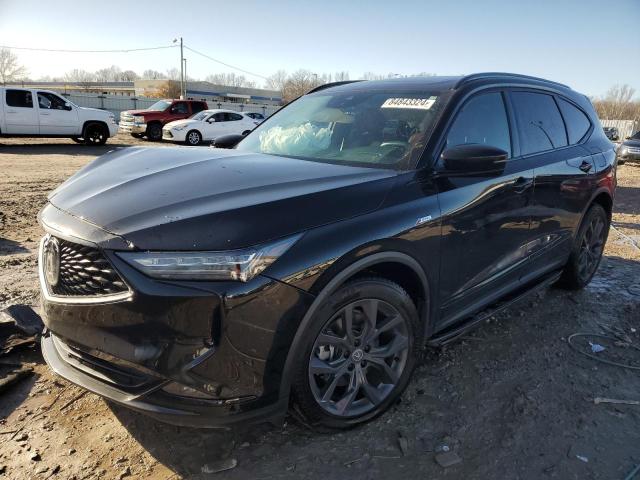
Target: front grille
pixel 633 150
pixel 85 271
pixel 126 117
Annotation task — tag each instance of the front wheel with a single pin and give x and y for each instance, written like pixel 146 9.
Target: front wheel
pixel 154 132
pixel 95 134
pixel 358 356
pixel 193 138
pixel 587 249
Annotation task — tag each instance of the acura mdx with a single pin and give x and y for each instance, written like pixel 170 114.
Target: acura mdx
pixel 308 266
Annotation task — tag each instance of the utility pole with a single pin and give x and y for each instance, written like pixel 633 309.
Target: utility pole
pixel 186 79
pixel 182 89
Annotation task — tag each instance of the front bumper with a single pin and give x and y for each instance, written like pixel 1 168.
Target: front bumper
pixel 174 135
pixel 629 155
pixel 131 127
pixel 228 340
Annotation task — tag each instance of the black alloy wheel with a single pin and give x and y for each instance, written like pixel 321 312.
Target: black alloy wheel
pixel 587 249
pixel 95 135
pixel 360 358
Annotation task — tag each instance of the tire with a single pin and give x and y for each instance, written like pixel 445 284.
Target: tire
pixel 95 134
pixel 587 249
pixel 193 137
pixel 154 132
pixel 78 139
pixel 341 381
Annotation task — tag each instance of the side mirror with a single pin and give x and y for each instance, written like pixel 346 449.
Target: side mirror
pixel 211 120
pixel 474 158
pixel 67 106
pixel 227 141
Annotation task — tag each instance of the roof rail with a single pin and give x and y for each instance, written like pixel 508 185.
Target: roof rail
pixel 479 76
pixel 332 84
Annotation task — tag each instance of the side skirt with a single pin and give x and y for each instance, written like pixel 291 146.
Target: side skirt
pixel 450 334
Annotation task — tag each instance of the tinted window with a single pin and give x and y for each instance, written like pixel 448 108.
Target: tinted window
pixel 19 98
pixel 49 101
pixel 483 119
pixel 180 107
pixel 232 117
pixel 198 107
pixel 576 121
pixel 539 121
pixel 220 117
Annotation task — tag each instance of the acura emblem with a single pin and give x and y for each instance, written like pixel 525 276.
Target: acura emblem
pixel 51 259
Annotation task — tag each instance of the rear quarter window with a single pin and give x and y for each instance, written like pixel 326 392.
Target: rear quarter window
pixel 539 122
pixel 576 120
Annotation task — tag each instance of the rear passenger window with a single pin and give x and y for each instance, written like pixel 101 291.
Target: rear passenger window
pixel 483 120
pixel 19 98
pixel 539 122
pixel 577 122
pixel 232 117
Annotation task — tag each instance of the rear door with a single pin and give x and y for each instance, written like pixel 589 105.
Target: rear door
pixel 564 172
pixel 56 115
pixel 485 217
pixel 20 113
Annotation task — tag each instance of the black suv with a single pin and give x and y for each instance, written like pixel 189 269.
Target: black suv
pixel 309 265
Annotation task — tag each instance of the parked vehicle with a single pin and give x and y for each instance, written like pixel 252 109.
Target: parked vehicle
pixel 629 150
pixel 207 125
pixel 612 133
pixel 149 121
pixel 311 263
pixel 256 116
pixel 52 116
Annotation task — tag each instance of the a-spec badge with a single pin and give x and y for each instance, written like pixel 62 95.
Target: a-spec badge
pixel 424 219
pixel 51 259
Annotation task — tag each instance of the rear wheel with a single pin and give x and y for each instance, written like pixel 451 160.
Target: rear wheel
pixel 193 138
pixel 95 134
pixel 154 132
pixel 359 355
pixel 587 249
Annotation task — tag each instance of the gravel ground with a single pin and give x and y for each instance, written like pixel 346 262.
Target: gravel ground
pixel 511 400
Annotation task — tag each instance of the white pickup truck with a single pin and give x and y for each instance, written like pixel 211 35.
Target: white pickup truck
pixel 28 112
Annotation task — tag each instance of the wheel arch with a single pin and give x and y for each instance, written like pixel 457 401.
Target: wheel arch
pixel 398 267
pixel 89 123
pixel 604 199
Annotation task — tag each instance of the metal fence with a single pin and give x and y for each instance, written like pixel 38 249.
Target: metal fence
pixel 118 104
pixel 626 128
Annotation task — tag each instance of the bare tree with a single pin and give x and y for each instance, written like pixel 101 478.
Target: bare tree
pixel 109 74
pixel 616 103
pixel 299 83
pixel 81 77
pixel 230 80
pixel 277 81
pixel 129 76
pixel 10 69
pixel 153 75
pixel 341 76
pixel 173 74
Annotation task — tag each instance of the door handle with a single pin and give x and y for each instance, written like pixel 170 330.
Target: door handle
pixel 11 111
pixel 521 184
pixel 585 166
pixel 45 113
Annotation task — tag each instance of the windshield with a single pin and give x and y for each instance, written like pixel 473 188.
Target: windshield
pixel 377 129
pixel 159 106
pixel 200 115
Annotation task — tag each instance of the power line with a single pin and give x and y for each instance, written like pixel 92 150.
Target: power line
pixel 225 64
pixel 124 50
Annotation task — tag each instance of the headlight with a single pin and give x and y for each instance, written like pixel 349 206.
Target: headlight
pixel 139 119
pixel 240 265
pixel 177 128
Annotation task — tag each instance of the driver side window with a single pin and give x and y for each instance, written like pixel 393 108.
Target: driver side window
pixel 482 120
pixel 180 107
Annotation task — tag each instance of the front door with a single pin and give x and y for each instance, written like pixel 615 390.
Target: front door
pixel 20 113
pixel 485 217
pixel 56 115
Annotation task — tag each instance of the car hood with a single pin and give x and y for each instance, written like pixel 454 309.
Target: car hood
pixel 176 123
pixel 214 199
pixel 96 111
pixel 141 112
pixel 631 143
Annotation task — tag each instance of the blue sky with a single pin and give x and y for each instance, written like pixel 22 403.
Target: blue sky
pixel 588 44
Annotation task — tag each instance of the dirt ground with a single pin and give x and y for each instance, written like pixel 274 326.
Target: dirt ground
pixel 512 399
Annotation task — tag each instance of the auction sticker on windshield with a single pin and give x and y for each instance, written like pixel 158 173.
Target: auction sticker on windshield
pixel 419 103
